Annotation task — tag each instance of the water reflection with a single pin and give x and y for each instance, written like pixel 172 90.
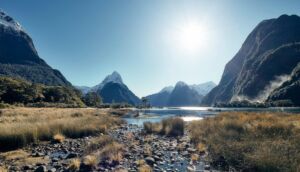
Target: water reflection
pixel 139 116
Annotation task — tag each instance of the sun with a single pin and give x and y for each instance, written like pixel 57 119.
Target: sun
pixel 191 37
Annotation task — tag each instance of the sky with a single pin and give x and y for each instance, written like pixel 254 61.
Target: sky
pixel 151 43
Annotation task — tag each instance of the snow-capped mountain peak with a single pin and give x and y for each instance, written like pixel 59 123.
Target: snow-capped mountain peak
pixel 115 77
pixel 8 21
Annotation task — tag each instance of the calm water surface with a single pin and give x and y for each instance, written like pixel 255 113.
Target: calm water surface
pixel 191 113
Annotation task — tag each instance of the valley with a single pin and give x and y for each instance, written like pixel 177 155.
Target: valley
pixel 248 121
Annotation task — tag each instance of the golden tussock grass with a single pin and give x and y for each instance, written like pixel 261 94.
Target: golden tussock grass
pixel 169 127
pixel 2 169
pixel 251 141
pixel 90 160
pixel 59 138
pixel 74 165
pixel 145 168
pixel 20 158
pixel 21 126
pixel 105 148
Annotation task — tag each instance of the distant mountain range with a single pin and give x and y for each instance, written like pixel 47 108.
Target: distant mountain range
pixel 113 90
pixel 181 95
pixel 266 68
pixel 19 58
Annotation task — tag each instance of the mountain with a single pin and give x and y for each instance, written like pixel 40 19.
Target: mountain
pixel 288 92
pixel 265 61
pixel 175 96
pixel 113 90
pixel 84 89
pixel 183 95
pixel 114 77
pixel 203 88
pixel 161 98
pixel 19 58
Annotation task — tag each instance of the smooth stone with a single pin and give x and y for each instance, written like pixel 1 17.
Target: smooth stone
pixel 71 155
pixel 150 160
pixel 41 169
pixel 52 170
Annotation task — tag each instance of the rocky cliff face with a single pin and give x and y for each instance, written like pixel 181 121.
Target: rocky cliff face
pixel 19 58
pixel 269 54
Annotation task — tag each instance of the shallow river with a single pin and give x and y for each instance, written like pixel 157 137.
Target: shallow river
pixel 190 113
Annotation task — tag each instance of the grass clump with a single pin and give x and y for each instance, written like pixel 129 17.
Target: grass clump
pixel 2 169
pixel 145 168
pixel 74 165
pixel 90 161
pixel 58 138
pixel 106 149
pixel 169 127
pixel 250 141
pixel 22 126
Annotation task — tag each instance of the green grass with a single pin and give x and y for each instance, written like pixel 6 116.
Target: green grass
pixel 251 141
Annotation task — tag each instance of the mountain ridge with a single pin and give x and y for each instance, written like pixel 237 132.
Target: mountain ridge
pixel 259 61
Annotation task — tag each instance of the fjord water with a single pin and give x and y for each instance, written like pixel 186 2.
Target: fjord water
pixel 139 116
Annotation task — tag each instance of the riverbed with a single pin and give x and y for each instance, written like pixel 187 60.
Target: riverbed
pixel 139 116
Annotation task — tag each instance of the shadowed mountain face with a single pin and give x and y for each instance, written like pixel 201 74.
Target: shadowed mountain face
pixel 180 95
pixel 269 54
pixel 19 58
pixel 113 90
pixel 289 91
pixel 118 93
pixel 183 95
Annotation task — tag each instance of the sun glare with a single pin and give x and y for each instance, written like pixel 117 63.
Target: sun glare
pixel 191 37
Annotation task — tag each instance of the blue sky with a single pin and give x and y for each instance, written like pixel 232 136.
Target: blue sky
pixel 88 39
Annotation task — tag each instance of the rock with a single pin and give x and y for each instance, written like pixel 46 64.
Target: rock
pixel 55 159
pixel 27 167
pixel 191 150
pixel 41 169
pixel 52 170
pixel 185 153
pixel 71 155
pixel 150 160
pixel 191 168
pixel 207 167
pixel 157 158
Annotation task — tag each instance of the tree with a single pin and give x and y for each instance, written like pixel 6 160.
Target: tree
pixel 145 102
pixel 92 99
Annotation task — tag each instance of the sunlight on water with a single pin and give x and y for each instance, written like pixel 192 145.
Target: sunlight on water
pixel 191 118
pixel 194 108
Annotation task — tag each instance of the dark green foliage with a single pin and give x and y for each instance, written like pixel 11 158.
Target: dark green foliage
pixel 14 91
pixel 92 99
